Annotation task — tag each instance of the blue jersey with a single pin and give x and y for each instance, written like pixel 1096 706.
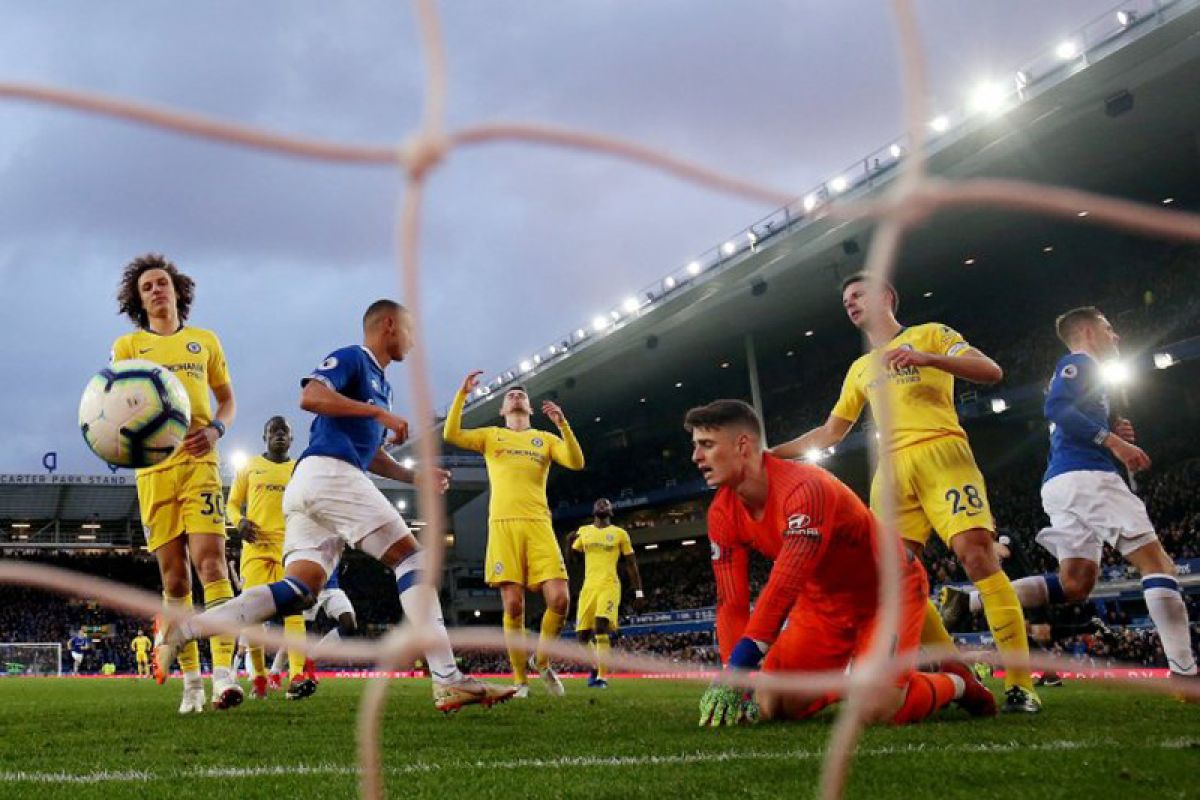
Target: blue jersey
pixel 78 644
pixel 354 373
pixel 1077 408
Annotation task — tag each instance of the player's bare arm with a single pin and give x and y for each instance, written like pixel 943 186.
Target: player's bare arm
pixel 554 412
pixel 635 580
pixel 972 365
pixel 202 440
pixel 819 438
pixel 1133 457
pixel 471 381
pixel 1124 428
pixel 317 398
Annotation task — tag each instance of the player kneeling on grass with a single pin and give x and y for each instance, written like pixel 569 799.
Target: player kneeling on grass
pixel 330 502
pixel 824 583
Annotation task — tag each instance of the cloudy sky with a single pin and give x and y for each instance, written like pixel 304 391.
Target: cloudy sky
pixel 520 244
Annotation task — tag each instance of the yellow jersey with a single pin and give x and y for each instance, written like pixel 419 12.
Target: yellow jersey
pixel 141 645
pixel 602 548
pixel 922 398
pixel 195 357
pixel 259 487
pixel 518 462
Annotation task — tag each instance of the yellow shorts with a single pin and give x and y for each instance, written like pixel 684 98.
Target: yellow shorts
pixel 523 551
pixel 259 570
pixel 938 487
pixel 182 499
pixel 598 601
pixel 143 658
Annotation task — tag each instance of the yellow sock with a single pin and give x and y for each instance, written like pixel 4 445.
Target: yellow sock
pixel 552 625
pixel 258 666
pixel 603 646
pixel 293 627
pixel 188 656
pixel 933 632
pixel 514 627
pixel 1007 622
pixel 222 647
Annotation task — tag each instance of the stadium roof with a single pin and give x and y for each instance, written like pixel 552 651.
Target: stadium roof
pixel 1124 125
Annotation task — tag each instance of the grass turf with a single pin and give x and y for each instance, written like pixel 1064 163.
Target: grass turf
pixel 82 739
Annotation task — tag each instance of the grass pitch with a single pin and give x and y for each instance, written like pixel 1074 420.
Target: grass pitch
pixel 83 739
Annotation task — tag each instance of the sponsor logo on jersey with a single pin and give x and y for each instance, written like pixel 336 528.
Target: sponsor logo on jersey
pixel 799 525
pixel 193 347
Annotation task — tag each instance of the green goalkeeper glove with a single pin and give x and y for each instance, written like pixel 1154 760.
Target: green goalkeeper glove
pixel 727 705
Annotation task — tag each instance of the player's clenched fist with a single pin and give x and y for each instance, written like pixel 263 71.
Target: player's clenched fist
pixel 727 705
pixel 471 381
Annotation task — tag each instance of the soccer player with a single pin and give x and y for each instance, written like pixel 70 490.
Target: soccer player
pixel 255 508
pixel 330 503
pixel 1086 499
pixel 522 550
pixel 602 545
pixel 937 483
pixel 141 649
pixel 181 499
pixel 824 582
pixel 76 645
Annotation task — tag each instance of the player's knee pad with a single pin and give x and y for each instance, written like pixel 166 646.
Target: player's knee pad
pixel 292 596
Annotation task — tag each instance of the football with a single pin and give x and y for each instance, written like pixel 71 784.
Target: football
pixel 134 413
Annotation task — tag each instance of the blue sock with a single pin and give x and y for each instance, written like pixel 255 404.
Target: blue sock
pixel 1054 588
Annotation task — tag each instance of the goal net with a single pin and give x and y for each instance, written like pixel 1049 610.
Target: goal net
pixel 19 659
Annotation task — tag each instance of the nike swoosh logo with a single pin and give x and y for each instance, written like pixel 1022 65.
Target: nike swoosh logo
pixel 143 352
pixel 974 513
pixel 1003 628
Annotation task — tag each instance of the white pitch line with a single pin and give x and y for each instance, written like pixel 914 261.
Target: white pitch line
pixel 199 773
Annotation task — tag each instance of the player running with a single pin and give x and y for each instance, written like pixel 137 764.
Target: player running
pixel 140 646
pixel 522 550
pixel 255 509
pixel 76 646
pixel 330 503
pixel 823 585
pixel 602 545
pixel 937 483
pixel 1088 503
pixel 181 499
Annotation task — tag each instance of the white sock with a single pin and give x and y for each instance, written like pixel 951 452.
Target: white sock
pixel 221 675
pixel 192 680
pixel 440 656
pixel 279 661
pixel 960 686
pixel 248 608
pixel 1169 614
pixel 1033 592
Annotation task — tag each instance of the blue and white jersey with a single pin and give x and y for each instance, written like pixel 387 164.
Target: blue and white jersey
pixel 78 644
pixel 1077 408
pixel 353 372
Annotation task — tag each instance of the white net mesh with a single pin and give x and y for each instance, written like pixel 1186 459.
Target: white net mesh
pixel 912 199
pixel 29 659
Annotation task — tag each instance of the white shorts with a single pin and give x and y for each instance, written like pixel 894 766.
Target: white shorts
pixel 329 504
pixel 334 601
pixel 1088 509
pixel 77 657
